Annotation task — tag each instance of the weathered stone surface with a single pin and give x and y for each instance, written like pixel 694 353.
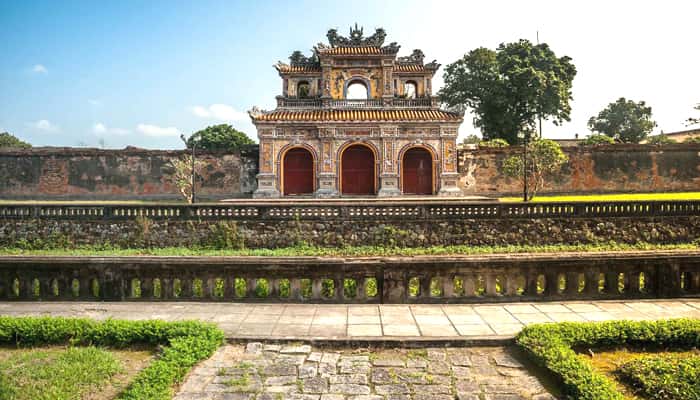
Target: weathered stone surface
pixel 303 349
pixel 254 348
pixel 349 389
pixel 281 379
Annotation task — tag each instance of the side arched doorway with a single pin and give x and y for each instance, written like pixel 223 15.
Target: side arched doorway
pixel 357 175
pixel 417 171
pixel 298 172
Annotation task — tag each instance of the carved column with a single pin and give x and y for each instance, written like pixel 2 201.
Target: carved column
pixel 326 179
pixel 388 167
pixel 267 175
pixel 448 163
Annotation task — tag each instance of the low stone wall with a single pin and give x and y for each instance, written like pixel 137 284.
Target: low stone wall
pixel 598 169
pixel 76 173
pixel 405 233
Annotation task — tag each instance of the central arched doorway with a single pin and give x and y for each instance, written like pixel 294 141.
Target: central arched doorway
pixel 357 170
pixel 417 174
pixel 298 172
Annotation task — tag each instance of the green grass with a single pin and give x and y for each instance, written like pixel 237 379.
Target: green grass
pixel 668 377
pixel 56 374
pixel 610 197
pixel 350 251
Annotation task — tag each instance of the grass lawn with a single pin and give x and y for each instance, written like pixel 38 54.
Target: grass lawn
pixel 349 251
pixel 67 373
pixel 609 363
pixel 611 197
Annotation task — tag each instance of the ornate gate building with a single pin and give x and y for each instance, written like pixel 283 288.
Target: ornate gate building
pixel 355 119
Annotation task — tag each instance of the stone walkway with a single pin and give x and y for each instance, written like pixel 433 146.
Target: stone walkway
pixel 258 371
pixel 370 322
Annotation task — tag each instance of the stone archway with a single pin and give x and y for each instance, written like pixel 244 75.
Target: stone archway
pixel 297 172
pixel 357 170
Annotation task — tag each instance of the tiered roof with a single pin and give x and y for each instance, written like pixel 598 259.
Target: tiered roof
pixel 358 115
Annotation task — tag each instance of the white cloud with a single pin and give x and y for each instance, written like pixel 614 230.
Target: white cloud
pixel 100 128
pixel 157 131
pixel 40 69
pixel 44 125
pixel 221 112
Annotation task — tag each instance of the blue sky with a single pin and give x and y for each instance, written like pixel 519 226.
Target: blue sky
pixel 141 72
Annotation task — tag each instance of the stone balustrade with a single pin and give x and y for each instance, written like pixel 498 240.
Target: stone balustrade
pixel 349 210
pixel 498 278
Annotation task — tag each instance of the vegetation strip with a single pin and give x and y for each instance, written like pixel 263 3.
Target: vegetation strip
pixel 552 346
pixel 349 251
pixel 611 197
pixel 183 344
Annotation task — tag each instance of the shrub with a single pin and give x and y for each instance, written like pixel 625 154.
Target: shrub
pixel 183 345
pixel 660 139
pixel 225 235
pixel 552 346
pixel 596 139
pixel 670 377
pixel 692 140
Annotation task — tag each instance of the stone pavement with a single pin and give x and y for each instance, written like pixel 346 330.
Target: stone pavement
pixel 301 372
pixel 367 322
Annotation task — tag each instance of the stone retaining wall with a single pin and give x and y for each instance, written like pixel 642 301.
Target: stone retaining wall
pixel 405 233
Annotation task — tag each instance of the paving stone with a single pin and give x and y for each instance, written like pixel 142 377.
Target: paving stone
pixel 398 397
pixel 330 358
pixel 431 396
pixel 358 368
pixel 503 396
pixel 327 369
pixel 295 359
pixel 233 396
pixel 467 396
pixel 543 396
pixel 308 370
pixel 438 367
pixel 272 348
pixel 280 369
pixel 392 389
pixel 467 387
pixel 350 389
pixel 358 379
pixel 254 348
pixel 366 397
pixel 303 349
pixel 353 359
pixel 289 389
pixel 314 356
pixel 281 380
pixel 329 396
pixel 412 363
pixel 304 396
pixel 506 360
pixel 315 385
pixel 389 362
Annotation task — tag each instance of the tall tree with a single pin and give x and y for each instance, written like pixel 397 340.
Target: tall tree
pixel 9 140
pixel 624 119
pixel 219 137
pixel 510 88
pixel 544 159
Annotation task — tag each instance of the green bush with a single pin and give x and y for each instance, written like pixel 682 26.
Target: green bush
pixel 692 140
pixel 225 235
pixel 552 346
pixel 596 139
pixel 660 139
pixel 183 345
pixel 670 377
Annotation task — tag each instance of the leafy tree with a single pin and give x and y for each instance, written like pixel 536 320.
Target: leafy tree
pixel 693 140
pixel 595 139
pixel 624 119
pixel 494 143
pixel 471 139
pixel 9 140
pixel 509 88
pixel 660 139
pixel 182 174
pixel 544 158
pixel 693 121
pixel 219 137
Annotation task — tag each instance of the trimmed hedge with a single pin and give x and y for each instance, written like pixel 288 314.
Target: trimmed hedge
pixel 183 345
pixel 552 346
pixel 669 377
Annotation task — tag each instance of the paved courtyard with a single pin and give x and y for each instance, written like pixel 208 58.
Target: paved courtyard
pixel 307 321
pixel 301 372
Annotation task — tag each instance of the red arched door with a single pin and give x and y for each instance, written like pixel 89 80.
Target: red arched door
pixel 298 170
pixel 357 175
pixel 417 171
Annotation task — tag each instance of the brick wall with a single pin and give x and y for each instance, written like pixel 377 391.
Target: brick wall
pixel 56 173
pixel 612 168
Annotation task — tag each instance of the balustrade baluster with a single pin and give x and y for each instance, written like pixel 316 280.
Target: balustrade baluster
pixel 295 289
pixel 491 290
pixel 448 286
